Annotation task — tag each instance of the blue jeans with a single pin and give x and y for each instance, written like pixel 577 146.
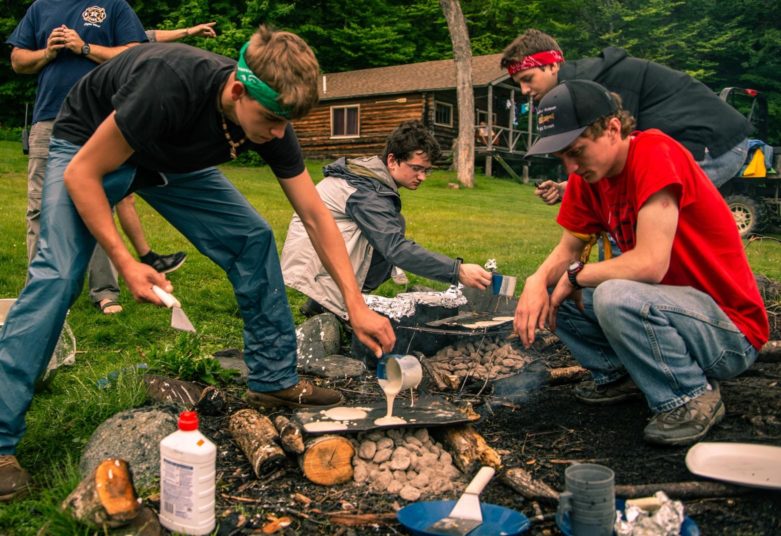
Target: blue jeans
pixel 206 208
pixel 724 167
pixel 669 339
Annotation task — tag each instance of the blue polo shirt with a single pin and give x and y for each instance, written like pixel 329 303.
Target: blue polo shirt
pixel 100 22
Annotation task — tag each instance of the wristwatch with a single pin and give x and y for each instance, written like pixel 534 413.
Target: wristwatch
pixel 572 273
pixel 85 49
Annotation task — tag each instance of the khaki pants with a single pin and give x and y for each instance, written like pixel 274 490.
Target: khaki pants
pixel 102 275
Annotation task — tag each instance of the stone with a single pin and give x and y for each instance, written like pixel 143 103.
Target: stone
pixel 333 367
pixel 400 460
pixel 382 481
pixel 231 362
pixel 318 337
pixel 395 487
pixel 133 436
pixel 360 473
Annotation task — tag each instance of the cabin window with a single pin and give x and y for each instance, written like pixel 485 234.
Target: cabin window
pixel 443 114
pixel 345 121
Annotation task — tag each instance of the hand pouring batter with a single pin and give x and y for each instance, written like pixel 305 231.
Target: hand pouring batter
pixel 394 373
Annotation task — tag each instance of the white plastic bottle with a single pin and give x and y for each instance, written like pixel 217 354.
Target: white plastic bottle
pixel 187 479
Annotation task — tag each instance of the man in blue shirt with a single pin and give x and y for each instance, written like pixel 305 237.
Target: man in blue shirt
pixel 61 41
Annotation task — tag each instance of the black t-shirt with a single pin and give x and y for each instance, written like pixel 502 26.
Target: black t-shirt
pixel 165 96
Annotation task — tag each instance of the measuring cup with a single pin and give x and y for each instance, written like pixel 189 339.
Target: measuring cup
pixel 402 371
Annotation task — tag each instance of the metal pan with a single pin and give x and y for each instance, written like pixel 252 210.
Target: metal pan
pixel 497 520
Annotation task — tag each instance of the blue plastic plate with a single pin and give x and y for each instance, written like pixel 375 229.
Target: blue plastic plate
pixel 497 520
pixel 688 527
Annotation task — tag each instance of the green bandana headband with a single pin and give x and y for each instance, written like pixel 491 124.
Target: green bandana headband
pixel 258 89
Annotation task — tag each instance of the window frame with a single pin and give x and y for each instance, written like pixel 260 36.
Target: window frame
pixel 345 107
pixel 447 105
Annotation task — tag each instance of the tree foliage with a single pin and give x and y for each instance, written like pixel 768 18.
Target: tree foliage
pixel 720 43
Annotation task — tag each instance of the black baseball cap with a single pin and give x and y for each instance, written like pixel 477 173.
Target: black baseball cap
pixel 566 111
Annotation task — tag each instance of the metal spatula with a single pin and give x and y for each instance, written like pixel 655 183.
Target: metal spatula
pixel 466 514
pixel 179 319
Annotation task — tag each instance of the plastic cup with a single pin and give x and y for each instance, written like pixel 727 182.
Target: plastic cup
pixel 589 499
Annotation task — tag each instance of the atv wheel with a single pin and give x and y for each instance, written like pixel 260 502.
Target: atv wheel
pixel 749 214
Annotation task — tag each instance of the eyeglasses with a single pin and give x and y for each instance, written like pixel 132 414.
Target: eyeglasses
pixel 419 169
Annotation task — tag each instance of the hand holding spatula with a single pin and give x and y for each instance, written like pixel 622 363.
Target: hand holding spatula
pixel 179 319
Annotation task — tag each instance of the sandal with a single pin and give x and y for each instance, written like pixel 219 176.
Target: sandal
pixel 106 304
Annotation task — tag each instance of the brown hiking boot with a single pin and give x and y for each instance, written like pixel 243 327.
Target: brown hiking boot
pixel 688 423
pixel 304 394
pixel 606 394
pixel 14 480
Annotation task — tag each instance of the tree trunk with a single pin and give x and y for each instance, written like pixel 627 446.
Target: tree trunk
pixel 328 460
pixel 462 54
pixel 106 498
pixel 256 435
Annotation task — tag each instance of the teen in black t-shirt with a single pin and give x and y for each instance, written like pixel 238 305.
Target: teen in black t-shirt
pixel 173 111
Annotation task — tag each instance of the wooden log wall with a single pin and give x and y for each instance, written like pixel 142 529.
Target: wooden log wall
pixel 378 117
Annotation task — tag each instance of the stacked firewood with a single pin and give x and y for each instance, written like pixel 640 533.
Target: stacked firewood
pixel 487 359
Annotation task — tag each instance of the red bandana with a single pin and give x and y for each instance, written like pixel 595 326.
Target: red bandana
pixel 535 60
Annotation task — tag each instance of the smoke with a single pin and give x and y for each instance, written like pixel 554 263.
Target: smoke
pixel 517 389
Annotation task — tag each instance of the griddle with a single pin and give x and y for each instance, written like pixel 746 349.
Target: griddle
pixel 428 411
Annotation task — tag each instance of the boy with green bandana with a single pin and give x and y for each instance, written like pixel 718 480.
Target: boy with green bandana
pixel 154 121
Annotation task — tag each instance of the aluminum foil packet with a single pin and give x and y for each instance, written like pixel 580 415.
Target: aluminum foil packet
pixel 663 519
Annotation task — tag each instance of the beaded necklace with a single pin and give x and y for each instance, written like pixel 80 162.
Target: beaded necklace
pixel 233 144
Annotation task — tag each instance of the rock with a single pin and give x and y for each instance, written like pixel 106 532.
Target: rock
pixel 231 362
pixel 145 524
pixel 133 436
pixel 172 391
pixel 332 367
pixel 318 337
pixel 382 481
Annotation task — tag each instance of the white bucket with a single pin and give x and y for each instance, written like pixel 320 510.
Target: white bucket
pixel 64 352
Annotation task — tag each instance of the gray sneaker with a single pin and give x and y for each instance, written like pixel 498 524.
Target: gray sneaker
pixel 14 481
pixel 688 423
pixel 607 394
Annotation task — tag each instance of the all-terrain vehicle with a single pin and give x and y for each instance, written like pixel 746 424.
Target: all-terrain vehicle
pixel 755 202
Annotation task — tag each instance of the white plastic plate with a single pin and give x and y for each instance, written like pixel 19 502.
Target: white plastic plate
pixel 739 463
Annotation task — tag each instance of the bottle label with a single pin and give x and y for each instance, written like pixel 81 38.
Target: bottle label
pixel 176 484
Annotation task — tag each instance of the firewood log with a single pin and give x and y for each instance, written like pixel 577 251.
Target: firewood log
pixel 212 402
pixel 327 460
pixel 256 435
pixel 470 450
pixel 529 487
pixel 697 489
pixel 290 436
pixel 106 498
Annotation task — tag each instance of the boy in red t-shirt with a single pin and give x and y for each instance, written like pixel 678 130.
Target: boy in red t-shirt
pixel 680 307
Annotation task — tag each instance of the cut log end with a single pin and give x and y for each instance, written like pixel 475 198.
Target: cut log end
pixel 327 460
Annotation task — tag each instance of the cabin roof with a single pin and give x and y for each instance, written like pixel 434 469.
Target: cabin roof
pixel 412 77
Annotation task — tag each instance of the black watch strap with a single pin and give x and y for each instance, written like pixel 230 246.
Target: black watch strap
pixel 572 273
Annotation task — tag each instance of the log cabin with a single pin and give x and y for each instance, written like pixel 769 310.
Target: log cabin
pixel 359 109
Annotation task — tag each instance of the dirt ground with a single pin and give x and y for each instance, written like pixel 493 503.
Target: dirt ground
pixel 545 431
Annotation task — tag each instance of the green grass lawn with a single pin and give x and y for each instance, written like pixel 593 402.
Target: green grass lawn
pixel 497 219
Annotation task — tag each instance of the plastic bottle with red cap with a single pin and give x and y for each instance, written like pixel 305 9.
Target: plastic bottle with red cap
pixel 187 479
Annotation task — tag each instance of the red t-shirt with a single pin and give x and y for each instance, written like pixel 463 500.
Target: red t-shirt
pixel 707 253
